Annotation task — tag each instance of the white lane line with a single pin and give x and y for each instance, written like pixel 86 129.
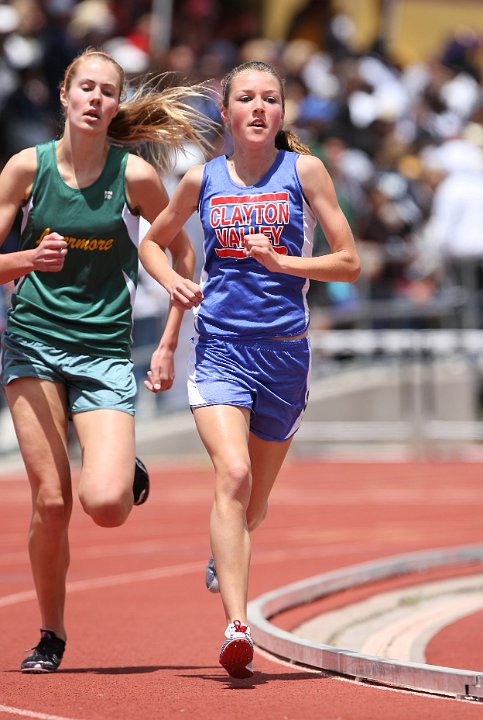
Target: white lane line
pixel 31 713
pixel 287 663
pixel 110 581
pixel 269 556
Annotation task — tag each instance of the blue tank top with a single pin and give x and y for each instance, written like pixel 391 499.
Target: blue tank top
pixel 243 299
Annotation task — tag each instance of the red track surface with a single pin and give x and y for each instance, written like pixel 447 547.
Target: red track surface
pixel 144 633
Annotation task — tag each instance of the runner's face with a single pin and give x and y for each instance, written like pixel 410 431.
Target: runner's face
pixel 255 107
pixel 93 96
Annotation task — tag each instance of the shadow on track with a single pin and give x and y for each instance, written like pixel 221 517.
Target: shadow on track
pixel 134 670
pixel 259 678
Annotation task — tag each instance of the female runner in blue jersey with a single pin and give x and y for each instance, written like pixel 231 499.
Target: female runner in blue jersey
pixel 66 348
pixel 249 369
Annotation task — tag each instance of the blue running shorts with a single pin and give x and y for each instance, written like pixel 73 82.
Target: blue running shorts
pixel 91 383
pixel 270 377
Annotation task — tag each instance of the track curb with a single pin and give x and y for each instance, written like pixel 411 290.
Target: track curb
pixel 410 675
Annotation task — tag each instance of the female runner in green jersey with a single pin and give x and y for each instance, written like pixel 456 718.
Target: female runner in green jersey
pixel 66 347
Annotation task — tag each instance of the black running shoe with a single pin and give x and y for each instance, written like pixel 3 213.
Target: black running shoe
pixel 46 656
pixel 140 486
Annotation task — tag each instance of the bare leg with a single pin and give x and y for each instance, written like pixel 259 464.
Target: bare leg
pixel 39 415
pixel 245 469
pixel 224 432
pixel 108 450
pixel 266 460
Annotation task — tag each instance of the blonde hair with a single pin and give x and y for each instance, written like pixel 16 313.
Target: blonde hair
pixel 159 119
pixel 285 139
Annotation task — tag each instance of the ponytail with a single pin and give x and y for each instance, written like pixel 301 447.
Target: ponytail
pixel 287 140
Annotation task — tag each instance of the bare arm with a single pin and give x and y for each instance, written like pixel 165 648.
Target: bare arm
pixel 16 182
pixel 161 375
pixel 163 233
pixel 342 263
pixel 149 196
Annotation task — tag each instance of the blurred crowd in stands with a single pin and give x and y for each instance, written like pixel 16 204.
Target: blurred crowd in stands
pixel 404 145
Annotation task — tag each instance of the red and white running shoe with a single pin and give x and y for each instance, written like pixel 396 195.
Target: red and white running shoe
pixel 236 653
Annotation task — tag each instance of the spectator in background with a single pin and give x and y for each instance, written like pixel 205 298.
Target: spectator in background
pixel 333 90
pixel 387 228
pixel 455 225
pixel 454 230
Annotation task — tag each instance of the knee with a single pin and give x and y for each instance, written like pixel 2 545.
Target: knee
pixel 109 510
pixel 235 483
pixel 52 513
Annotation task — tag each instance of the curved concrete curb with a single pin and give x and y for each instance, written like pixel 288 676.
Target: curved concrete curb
pixel 417 676
pixel 398 623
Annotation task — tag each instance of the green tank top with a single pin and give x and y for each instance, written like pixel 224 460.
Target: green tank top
pixel 86 308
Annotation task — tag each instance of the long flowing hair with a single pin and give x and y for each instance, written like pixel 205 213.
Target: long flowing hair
pixel 156 118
